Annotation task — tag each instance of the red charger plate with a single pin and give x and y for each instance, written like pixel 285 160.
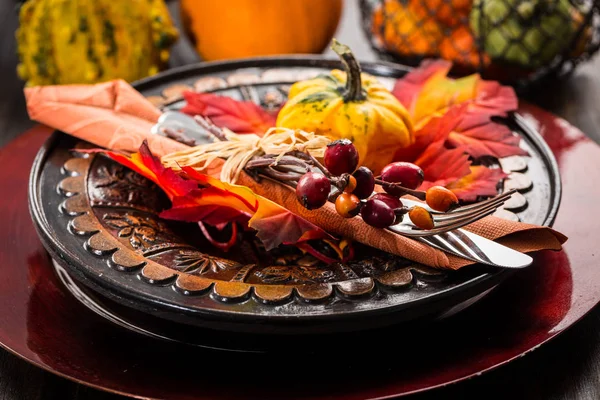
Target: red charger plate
pixel 42 323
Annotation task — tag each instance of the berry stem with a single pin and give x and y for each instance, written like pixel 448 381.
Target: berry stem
pixel 317 164
pixel 419 194
pixel 340 182
pixel 401 210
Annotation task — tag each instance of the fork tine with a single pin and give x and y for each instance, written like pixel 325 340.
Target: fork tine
pixel 454 217
pixel 484 211
pixel 504 195
pixel 450 226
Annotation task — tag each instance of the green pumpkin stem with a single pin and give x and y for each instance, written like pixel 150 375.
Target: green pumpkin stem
pixel 353 90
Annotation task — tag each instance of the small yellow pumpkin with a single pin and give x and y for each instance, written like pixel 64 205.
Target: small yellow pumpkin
pixel 350 105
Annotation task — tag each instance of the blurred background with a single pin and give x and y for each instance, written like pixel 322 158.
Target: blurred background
pixel 546 48
pixel 534 45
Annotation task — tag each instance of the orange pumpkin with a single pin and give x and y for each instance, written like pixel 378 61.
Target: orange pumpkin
pixel 450 13
pixel 247 28
pixel 400 28
pixel 460 47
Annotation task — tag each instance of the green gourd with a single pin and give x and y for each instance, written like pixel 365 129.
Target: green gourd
pixel 529 33
pixel 88 41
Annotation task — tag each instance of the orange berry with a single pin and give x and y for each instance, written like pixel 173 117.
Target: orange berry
pixel 351 184
pixel 440 199
pixel 421 218
pixel 347 205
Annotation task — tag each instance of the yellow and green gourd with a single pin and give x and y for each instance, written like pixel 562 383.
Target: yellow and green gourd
pixel 88 41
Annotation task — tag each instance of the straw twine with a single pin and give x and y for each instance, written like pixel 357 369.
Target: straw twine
pixel 237 150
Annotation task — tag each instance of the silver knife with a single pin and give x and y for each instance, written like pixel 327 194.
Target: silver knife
pixel 468 245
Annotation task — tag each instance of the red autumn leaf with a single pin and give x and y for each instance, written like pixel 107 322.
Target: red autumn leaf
pixel 145 164
pixel 225 112
pixel 495 98
pixel 217 202
pixel 478 134
pixel 274 224
pixel 440 143
pixel 408 88
pixel 442 165
pixel 482 181
pixel 487 139
pixel 186 208
pixel 437 129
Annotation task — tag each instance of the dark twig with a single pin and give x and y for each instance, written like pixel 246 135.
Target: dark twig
pixel 178 136
pixel 265 161
pixel 416 193
pixel 211 128
pixel 282 176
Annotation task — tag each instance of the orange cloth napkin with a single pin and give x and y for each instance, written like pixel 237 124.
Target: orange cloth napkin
pixel 113 115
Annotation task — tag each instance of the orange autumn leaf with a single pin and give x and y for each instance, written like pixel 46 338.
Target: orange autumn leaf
pixel 273 223
pixel 225 112
pixel 427 93
pixel 481 181
pixel 207 199
pixel 150 167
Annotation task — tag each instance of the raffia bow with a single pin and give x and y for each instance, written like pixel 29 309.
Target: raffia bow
pixel 237 150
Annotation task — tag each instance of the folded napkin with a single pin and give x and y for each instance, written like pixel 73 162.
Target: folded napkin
pixel 113 115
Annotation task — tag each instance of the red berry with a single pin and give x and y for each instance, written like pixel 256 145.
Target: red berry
pixel 405 174
pixel 347 205
pixel 365 182
pixel 341 157
pixel 378 214
pixel 392 201
pixel 313 190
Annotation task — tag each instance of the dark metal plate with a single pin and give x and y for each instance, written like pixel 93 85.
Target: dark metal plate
pixel 99 221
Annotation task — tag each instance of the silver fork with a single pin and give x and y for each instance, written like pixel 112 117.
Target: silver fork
pixel 452 220
pixel 446 236
pixel 449 238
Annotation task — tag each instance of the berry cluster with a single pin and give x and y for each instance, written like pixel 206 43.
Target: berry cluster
pixel 353 189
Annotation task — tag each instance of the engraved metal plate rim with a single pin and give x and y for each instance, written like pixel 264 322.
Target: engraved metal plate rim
pixel 66 259
pixel 188 73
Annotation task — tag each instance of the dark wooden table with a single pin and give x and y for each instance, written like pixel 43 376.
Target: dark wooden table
pixel 567 368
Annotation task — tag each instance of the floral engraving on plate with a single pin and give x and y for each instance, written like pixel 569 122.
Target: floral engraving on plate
pixel 295 274
pixel 112 184
pixel 105 212
pixel 191 261
pixel 141 231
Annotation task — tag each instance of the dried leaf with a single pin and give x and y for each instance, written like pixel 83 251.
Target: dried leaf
pixel 225 112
